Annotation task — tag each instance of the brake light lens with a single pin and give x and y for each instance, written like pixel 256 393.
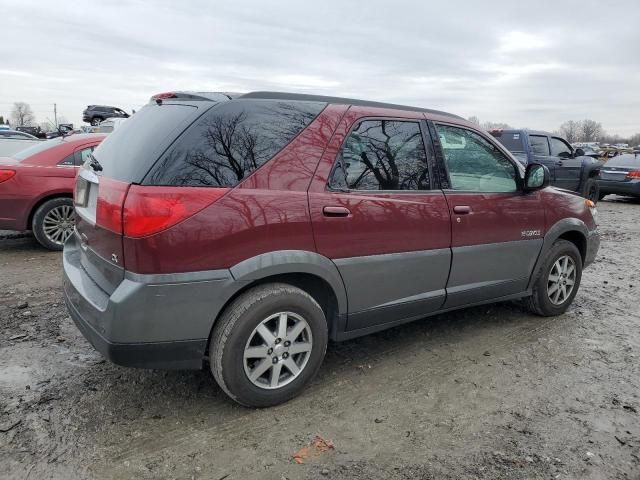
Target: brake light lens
pixel 111 195
pixel 151 209
pixel 160 96
pixel 633 174
pixel 6 175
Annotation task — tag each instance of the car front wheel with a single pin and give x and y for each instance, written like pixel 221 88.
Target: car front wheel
pixel 592 190
pixel 268 344
pixel 558 280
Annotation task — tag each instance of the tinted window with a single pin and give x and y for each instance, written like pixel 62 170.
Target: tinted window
pixel 230 141
pixel 513 141
pixel 560 148
pixel 382 155
pixel 129 152
pixel 539 144
pixel 474 164
pixel 68 160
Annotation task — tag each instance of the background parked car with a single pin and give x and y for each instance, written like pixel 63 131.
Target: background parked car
pixel 621 175
pixel 35 131
pixel 94 114
pixel 12 141
pixel 569 168
pixel 110 124
pixel 36 187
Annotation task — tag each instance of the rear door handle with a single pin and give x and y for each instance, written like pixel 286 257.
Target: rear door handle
pixel 334 211
pixel 462 209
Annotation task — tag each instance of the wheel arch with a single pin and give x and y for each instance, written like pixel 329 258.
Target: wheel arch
pixel 571 229
pixel 50 196
pixel 309 271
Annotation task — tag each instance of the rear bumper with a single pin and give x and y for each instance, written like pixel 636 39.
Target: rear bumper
pixel 621 188
pixel 148 321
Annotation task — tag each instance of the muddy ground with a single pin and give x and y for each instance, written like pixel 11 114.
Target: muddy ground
pixel 488 392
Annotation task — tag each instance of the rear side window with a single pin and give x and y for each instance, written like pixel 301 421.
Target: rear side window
pixel 231 141
pixel 539 144
pixel 382 155
pixel 511 140
pixel 474 164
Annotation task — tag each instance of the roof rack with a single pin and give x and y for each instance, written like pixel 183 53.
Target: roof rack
pixel 347 101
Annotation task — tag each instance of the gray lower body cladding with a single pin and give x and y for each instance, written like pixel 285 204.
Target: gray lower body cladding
pixel 153 321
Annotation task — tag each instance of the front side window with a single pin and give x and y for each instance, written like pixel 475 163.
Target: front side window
pixel 382 155
pixel 539 144
pixel 231 141
pixel 474 164
pixel 67 161
pixel 560 148
pixel 81 156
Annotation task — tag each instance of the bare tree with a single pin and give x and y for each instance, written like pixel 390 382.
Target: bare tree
pixel 571 130
pixel 591 130
pixel 22 115
pixel 488 125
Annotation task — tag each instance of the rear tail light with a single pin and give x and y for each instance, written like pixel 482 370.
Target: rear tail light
pixel 6 175
pixel 111 195
pixel 149 210
pixel 631 174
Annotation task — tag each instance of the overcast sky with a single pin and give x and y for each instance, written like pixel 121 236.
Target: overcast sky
pixel 533 66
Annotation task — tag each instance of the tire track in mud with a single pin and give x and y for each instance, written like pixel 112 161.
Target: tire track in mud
pixel 349 380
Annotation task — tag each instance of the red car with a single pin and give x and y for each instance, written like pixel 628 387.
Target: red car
pixel 241 233
pixel 36 187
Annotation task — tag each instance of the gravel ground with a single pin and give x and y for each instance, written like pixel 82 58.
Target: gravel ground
pixel 488 392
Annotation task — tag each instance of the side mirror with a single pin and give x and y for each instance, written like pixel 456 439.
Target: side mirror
pixel 578 152
pixel 536 177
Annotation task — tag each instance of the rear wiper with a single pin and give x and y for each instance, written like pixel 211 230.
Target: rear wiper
pixel 94 163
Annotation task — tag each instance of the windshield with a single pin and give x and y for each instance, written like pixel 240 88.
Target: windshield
pixel 37 148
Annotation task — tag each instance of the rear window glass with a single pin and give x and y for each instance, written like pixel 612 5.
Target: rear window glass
pixel 231 141
pixel 128 153
pixel 37 148
pixel 511 140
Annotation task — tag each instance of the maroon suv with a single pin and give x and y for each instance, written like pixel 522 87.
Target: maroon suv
pixel 246 231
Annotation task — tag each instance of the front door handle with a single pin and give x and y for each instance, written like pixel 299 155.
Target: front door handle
pixel 335 211
pixel 462 209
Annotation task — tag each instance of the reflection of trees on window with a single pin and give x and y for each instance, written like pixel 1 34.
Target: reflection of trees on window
pixel 231 141
pixel 383 155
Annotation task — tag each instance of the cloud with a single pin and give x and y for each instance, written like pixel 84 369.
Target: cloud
pixel 532 67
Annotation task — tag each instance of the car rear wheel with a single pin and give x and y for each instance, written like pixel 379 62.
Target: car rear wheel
pixel 268 344
pixel 558 280
pixel 53 223
pixel 592 190
pixel 95 121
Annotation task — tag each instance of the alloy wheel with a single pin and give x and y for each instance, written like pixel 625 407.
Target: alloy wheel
pixel 58 224
pixel 562 279
pixel 278 350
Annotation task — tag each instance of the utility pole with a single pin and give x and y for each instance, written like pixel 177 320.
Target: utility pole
pixel 55 114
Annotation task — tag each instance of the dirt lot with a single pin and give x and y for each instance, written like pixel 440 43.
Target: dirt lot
pixel 489 392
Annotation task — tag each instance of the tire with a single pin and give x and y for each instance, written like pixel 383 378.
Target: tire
pixel 236 330
pixel 602 195
pixel 591 190
pixel 55 212
pixel 95 121
pixel 542 301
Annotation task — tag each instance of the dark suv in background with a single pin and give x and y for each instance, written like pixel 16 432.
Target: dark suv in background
pixel 569 168
pixel 94 114
pixel 244 232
